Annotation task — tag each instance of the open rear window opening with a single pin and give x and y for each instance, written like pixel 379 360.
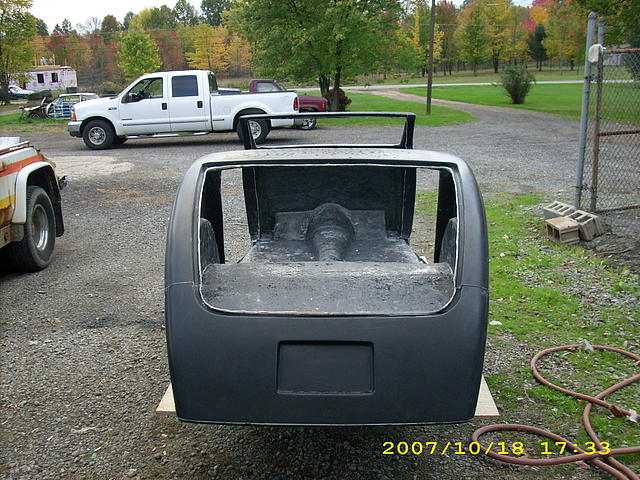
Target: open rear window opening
pixel 328 240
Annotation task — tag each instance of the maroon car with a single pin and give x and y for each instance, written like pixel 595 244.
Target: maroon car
pixel 308 103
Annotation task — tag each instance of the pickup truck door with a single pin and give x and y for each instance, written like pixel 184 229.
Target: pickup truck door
pixel 188 108
pixel 144 109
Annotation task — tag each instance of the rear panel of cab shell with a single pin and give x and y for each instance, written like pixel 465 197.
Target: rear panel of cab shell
pixel 328 370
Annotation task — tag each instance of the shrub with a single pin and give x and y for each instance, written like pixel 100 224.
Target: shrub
pixel 517 82
pixel 343 100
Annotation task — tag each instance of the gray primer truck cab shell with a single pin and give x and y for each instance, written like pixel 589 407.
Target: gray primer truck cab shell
pixel 330 318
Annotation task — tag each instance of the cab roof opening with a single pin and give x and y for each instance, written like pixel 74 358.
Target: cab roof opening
pixel 330 317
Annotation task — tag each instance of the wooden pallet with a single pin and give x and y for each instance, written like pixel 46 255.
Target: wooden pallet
pixel 485 408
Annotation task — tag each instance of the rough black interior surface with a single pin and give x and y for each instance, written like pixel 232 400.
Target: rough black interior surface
pixel 331 233
pixel 384 288
pixel 329 260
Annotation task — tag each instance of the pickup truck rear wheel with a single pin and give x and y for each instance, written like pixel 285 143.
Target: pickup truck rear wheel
pixel 35 250
pixel 308 123
pixel 98 135
pixel 259 130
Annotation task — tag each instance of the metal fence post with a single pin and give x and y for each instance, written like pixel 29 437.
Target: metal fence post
pixel 593 203
pixel 584 116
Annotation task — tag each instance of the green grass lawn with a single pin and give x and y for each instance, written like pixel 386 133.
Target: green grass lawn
pixel 534 298
pixel 360 102
pixel 565 100
pixel 13 122
pixel 465 77
pixel 620 102
pixel 364 102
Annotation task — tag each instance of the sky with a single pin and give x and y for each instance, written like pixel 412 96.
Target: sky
pixel 79 11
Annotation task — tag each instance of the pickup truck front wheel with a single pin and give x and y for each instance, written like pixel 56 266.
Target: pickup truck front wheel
pixel 259 130
pixel 98 135
pixel 35 250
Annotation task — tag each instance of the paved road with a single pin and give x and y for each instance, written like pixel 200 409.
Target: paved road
pixel 82 350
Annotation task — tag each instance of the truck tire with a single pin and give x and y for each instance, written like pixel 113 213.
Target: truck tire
pixel 259 129
pixel 308 123
pixel 35 251
pixel 98 135
pixel 34 116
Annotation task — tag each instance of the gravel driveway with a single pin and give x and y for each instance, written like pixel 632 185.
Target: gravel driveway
pixel 82 348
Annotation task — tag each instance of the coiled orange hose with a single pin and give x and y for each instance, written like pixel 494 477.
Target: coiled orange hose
pixel 607 461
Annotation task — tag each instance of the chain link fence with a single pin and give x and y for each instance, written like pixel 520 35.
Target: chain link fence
pixel 611 181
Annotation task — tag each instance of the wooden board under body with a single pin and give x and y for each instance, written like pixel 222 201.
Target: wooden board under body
pixel 485 407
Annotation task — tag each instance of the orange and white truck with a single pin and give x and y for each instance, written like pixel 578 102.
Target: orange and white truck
pixel 30 206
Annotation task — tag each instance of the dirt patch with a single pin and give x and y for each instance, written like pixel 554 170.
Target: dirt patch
pixel 88 166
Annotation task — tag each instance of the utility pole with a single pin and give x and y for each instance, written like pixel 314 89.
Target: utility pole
pixel 430 63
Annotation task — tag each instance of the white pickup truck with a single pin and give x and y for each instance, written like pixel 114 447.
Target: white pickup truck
pixel 175 103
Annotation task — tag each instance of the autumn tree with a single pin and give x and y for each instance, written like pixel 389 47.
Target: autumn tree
pixel 565 32
pixel 58 45
pixel 447 19
pixel 517 48
pixel 17 29
pixel 138 54
pixel 420 32
pixel 472 37
pixel 210 50
pixel 212 10
pixel 495 16
pixel 169 48
pixel 239 55
pixel 322 39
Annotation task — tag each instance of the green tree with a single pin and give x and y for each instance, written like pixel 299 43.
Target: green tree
pixel 472 37
pixel 212 10
pixel 622 20
pixel 185 13
pixel 323 39
pixel 127 19
pixel 41 27
pixel 161 18
pixel 138 54
pixel 536 47
pixel 110 25
pixel 64 28
pixel 17 30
